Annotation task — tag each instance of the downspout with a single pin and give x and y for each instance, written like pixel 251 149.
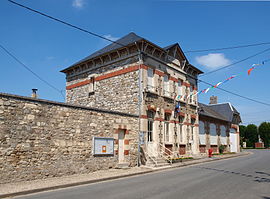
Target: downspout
pixel 139 104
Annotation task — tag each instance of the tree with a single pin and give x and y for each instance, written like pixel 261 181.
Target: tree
pixel 251 135
pixel 243 137
pixel 264 132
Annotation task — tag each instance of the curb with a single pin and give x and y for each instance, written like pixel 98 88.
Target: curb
pixel 114 177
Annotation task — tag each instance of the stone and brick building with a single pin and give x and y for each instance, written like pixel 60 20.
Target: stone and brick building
pixel 219 125
pixel 139 77
pixel 128 100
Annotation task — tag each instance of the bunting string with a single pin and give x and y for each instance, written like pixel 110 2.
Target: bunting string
pixel 187 96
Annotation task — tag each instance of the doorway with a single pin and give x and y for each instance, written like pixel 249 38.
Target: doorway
pixel 121 138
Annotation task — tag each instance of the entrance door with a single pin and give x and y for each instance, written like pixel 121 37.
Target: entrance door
pixel 233 140
pixel 121 137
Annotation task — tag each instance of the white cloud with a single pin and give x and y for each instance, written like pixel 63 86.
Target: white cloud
pixel 110 37
pixel 78 3
pixel 105 42
pixel 213 60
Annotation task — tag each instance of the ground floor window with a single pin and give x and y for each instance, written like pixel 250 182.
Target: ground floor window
pixel 150 131
pixel 166 127
pixel 150 122
pixel 180 133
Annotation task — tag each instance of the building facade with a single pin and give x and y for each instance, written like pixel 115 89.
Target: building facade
pixel 138 77
pixel 218 125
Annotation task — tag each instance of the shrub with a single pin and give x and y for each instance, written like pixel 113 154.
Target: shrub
pixel 221 148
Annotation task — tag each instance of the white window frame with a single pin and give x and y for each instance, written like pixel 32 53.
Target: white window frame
pixel 167 128
pixel 179 88
pixel 223 135
pixel 150 125
pixel 180 132
pixel 202 135
pixel 166 85
pixel 213 133
pixel 150 79
pixel 191 92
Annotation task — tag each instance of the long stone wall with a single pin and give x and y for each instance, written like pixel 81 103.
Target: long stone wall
pixel 40 138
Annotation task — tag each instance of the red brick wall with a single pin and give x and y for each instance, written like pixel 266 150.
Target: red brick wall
pixel 169 147
pixel 182 150
pixel 214 148
pixel 259 145
pixel 202 148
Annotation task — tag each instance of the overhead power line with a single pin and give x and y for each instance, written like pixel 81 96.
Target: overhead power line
pixel 251 122
pixel 65 23
pixel 227 48
pixel 242 60
pixel 97 35
pixel 244 97
pixel 102 37
pixel 27 68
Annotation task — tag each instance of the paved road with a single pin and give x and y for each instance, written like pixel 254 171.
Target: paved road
pixel 245 177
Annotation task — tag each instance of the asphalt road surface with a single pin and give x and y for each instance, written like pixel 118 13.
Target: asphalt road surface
pixel 243 177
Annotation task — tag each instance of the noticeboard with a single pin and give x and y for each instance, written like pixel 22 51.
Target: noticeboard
pixel 103 146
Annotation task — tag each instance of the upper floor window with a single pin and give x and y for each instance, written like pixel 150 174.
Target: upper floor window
pixel 150 78
pixel 166 85
pixel 179 87
pixel 191 94
pixel 181 119
pixel 193 121
pixel 91 86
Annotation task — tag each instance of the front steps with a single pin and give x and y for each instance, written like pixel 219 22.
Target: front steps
pixel 160 162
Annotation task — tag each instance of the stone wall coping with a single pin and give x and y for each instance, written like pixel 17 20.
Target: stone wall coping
pixel 43 101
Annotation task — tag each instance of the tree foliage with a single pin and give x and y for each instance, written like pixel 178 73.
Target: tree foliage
pixel 251 135
pixel 264 132
pixel 243 136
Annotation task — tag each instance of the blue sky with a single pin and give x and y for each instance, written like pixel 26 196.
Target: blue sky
pixel 47 47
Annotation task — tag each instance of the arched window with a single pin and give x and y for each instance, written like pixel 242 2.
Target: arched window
pixel 223 136
pixel 213 134
pixel 201 132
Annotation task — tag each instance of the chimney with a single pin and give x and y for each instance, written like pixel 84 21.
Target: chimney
pixel 34 92
pixel 213 100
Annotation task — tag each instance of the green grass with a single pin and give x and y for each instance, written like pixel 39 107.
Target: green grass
pixel 224 153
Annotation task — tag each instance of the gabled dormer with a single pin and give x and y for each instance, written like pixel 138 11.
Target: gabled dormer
pixel 176 57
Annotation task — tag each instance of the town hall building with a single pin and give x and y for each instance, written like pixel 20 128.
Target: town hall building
pixel 134 75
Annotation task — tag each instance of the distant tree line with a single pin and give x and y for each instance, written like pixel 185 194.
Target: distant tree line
pixel 249 134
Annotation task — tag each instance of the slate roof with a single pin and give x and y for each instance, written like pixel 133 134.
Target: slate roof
pixel 226 109
pixel 128 39
pixel 207 111
pixel 170 46
pixel 124 41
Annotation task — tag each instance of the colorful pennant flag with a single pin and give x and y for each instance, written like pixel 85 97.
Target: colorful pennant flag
pixel 249 70
pixel 233 76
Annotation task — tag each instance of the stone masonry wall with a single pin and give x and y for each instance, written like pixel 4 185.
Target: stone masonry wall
pixel 114 89
pixel 40 139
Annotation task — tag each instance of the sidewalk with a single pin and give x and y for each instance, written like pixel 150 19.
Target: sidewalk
pixel 27 187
